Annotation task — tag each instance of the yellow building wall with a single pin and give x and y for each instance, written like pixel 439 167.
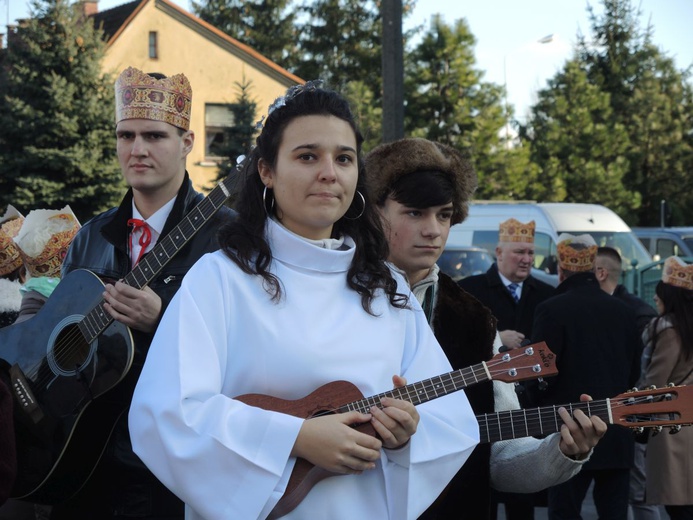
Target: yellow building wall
pixel 212 71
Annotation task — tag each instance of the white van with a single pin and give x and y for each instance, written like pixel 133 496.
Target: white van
pixel 552 218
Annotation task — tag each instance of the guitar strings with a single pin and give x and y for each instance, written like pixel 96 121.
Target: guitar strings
pixel 535 421
pixel 70 345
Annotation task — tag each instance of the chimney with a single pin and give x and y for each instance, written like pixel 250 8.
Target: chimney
pixel 90 7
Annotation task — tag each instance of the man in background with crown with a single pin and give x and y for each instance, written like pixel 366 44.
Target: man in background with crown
pixel 594 337
pixel 153 140
pixel 508 287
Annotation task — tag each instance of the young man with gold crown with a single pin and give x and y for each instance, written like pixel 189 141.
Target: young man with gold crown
pixel 153 140
pixel 595 340
pixel 421 188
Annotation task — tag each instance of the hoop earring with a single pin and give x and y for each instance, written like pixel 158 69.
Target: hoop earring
pixel 363 201
pixel 264 202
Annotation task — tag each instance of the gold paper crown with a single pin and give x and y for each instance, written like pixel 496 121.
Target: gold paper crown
pixel 140 96
pixel 576 260
pixel 10 257
pixel 515 231
pixel 44 240
pixel 678 273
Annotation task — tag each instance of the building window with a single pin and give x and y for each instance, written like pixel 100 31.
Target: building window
pixel 153 45
pixel 218 119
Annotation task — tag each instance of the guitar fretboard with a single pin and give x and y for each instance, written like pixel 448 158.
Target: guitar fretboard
pixel 96 321
pixel 425 390
pixel 513 424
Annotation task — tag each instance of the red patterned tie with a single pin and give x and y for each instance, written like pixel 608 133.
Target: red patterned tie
pixel 145 238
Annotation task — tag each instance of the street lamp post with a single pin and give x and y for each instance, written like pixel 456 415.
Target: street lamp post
pixel 545 39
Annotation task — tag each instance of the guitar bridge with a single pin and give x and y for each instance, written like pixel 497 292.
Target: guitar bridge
pixel 23 395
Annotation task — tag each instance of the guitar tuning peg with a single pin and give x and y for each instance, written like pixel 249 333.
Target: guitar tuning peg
pixel 656 430
pixel 652 387
pixel 675 429
pixel 634 389
pixel 639 430
pixel 541 384
pixel 671 385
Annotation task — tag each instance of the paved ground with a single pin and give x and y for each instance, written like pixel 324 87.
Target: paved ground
pixel 588 511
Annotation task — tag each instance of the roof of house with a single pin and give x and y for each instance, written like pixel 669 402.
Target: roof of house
pixel 114 21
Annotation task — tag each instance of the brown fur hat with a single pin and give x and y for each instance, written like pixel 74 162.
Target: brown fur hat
pixel 389 161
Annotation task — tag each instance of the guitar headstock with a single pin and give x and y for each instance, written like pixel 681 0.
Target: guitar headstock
pixel 520 364
pixel 654 408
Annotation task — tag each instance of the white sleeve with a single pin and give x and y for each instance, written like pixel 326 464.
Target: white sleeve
pixel 510 459
pixel 223 458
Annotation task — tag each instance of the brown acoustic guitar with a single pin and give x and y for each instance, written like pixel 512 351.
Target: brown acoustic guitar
pixel 529 362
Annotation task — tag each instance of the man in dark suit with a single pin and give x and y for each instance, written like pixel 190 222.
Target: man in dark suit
pixel 607 268
pixel 508 288
pixel 594 337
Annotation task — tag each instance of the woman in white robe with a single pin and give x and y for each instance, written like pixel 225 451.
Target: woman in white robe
pixel 299 296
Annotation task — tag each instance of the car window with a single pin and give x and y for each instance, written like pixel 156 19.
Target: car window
pixel 667 248
pixel 460 263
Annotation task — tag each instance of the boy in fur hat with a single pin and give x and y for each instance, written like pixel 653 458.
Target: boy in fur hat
pixel 421 188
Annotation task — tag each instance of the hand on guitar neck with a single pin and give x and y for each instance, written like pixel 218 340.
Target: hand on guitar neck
pixel 332 443
pixel 579 432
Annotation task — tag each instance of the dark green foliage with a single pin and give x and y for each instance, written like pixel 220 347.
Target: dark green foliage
pixel 616 125
pixel 267 26
pixel 57 143
pixel 238 138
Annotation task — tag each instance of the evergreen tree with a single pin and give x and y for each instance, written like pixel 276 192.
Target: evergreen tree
pixel 340 42
pixel 267 26
pixel 367 111
pixel 238 139
pixel 581 149
pixel 57 143
pixel 448 101
pixel 640 126
pixel 652 100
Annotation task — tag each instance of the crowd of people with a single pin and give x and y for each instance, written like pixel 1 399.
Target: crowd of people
pixel 280 351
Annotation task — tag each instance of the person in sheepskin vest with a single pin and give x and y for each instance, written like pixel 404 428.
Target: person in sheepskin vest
pixel 421 189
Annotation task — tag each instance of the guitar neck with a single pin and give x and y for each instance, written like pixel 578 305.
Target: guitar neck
pixel 529 422
pixel 96 321
pixel 426 390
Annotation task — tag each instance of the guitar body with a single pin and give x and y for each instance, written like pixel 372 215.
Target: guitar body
pixel 55 374
pixel 325 400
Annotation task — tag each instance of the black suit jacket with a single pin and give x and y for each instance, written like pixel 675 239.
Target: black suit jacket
pixel 488 288
pixel 594 337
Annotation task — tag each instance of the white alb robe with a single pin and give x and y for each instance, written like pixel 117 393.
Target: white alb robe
pixel 222 337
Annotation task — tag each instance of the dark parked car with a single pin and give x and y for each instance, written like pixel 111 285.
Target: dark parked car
pixel 665 242
pixel 463 261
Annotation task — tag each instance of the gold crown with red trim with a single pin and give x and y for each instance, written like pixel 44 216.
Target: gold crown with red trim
pixel 44 239
pixel 10 257
pixel 515 231
pixel 576 259
pixel 678 273
pixel 140 96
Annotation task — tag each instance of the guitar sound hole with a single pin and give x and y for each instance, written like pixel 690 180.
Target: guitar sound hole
pixel 70 349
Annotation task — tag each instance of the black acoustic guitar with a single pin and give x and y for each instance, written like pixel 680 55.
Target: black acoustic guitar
pixel 64 359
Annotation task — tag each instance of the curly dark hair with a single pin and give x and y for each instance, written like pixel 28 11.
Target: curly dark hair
pixel 678 307
pixel 243 240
